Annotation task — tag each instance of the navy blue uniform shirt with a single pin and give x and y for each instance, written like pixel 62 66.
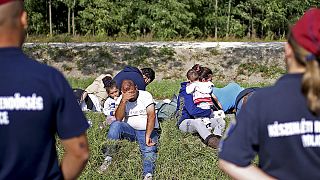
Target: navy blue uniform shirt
pixel 277 125
pixel 130 73
pixel 36 103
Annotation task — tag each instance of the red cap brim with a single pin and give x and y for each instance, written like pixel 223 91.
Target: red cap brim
pixel 6 1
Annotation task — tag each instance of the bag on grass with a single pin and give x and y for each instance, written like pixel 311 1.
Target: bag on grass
pixel 166 110
pixel 87 102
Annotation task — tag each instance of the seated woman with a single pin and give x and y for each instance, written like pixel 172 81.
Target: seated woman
pixel 189 123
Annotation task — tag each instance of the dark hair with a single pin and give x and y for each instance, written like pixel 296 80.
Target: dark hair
pixel 106 80
pixel 192 75
pixel 149 73
pixel 198 68
pixel 205 74
pixel 110 85
pixel 127 84
pixel 311 78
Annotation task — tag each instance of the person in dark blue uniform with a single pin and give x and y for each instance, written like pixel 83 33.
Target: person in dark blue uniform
pixel 36 103
pixel 281 124
pixel 141 77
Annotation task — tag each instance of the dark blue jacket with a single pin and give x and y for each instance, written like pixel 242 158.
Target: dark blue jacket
pixel 189 109
pixel 130 73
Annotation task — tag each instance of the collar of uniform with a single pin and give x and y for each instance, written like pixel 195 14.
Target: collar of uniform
pixel 10 50
pixel 290 76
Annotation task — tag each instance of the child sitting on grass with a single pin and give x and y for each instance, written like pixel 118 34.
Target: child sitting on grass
pixel 201 88
pixel 109 104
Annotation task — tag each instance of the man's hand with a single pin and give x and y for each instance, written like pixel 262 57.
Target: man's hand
pixel 149 142
pixel 121 108
pixel 126 96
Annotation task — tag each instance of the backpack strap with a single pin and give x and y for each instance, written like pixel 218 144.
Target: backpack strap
pixel 244 95
pixel 215 105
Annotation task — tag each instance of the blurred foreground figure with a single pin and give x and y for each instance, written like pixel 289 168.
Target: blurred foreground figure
pixel 281 124
pixel 36 103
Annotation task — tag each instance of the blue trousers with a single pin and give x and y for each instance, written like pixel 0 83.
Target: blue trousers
pixel 121 130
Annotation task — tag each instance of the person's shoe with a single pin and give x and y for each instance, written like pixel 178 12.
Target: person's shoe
pixel 110 150
pixel 148 176
pixel 213 141
pixel 106 163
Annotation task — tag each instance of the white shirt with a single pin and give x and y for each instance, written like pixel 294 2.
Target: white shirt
pixel 201 92
pixel 109 106
pixel 136 112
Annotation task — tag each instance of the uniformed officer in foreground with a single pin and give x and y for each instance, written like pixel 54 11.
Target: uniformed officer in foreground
pixel 36 103
pixel 281 124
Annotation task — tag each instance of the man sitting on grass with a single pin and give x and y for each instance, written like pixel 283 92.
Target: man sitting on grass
pixel 135 121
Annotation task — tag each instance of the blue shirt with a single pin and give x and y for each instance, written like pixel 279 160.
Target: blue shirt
pixel 227 95
pixel 189 109
pixel 36 103
pixel 277 125
pixel 130 73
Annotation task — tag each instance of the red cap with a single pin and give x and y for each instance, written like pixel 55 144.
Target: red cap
pixel 306 31
pixel 5 1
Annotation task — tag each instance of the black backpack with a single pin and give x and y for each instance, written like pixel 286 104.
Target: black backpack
pixel 78 94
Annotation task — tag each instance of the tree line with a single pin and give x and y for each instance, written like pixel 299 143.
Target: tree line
pixel 166 19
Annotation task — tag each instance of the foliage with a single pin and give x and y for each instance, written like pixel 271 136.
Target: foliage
pixel 169 19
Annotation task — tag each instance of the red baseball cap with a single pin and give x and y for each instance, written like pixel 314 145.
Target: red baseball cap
pixel 306 31
pixel 6 1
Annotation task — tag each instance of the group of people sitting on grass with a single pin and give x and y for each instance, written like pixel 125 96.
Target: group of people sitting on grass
pixel 274 121
pixel 124 98
pixel 200 109
pixel 279 123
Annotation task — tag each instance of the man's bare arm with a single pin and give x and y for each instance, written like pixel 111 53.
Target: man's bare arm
pixel 75 157
pixel 249 172
pixel 120 110
pixel 151 118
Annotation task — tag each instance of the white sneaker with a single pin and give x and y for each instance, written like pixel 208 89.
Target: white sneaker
pixel 106 163
pixel 148 176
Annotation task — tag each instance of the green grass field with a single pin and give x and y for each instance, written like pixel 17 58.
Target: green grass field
pixel 180 156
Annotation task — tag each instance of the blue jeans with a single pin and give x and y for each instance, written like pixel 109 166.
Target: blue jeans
pixel 121 130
